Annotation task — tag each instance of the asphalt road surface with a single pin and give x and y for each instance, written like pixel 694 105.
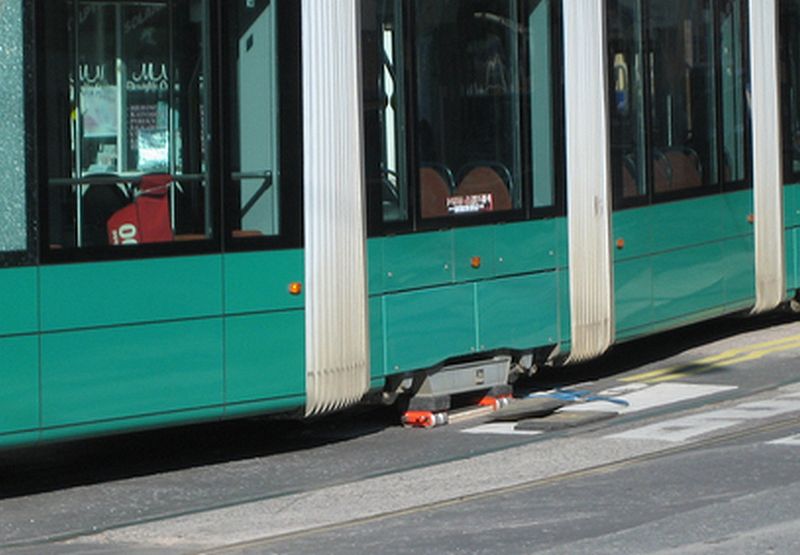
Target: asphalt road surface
pixel 686 442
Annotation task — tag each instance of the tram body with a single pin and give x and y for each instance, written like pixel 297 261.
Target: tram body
pixel 435 182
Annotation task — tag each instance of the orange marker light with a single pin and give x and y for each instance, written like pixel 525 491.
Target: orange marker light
pixel 476 262
pixel 620 244
pixel 295 288
pixel 751 218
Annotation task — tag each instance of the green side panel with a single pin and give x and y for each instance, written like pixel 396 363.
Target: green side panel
pixel 634 228
pixel 564 313
pixel 377 362
pixel 518 312
pixel 137 423
pixel 740 273
pixel 791 205
pixel 791 247
pixel 18 307
pixel 426 327
pixel 686 223
pixel 526 247
pixel 131 371
pixel 114 293
pixel 736 208
pixel 264 356
pixel 19 383
pixel 688 281
pixel 17 440
pixel 375 271
pixel 418 260
pixel 633 293
pixel 471 242
pixel 284 404
pixel 259 281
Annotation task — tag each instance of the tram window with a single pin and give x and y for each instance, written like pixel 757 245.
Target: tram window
pixel 13 204
pixel 542 107
pixel 467 128
pixel 678 97
pixel 734 110
pixel 255 205
pixel 625 37
pixel 384 113
pixel 790 77
pixel 683 99
pixel 126 98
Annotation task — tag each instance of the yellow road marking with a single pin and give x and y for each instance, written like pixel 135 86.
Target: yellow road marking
pixel 731 356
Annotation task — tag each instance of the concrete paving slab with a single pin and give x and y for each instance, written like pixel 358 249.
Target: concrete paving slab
pixel 564 420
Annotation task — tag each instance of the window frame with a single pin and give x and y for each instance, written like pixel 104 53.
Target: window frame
pixel 214 52
pixel 721 185
pixel 415 223
pixel 788 174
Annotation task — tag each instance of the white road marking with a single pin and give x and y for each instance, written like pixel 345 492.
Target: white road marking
pixel 654 396
pixel 792 440
pixel 688 427
pixel 503 428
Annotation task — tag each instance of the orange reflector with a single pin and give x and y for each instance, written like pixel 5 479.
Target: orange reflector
pixel 295 288
pixel 751 218
pixel 620 244
pixel 476 262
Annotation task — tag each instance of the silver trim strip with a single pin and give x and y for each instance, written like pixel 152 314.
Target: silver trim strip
pixel 337 354
pixel 588 179
pixel 770 252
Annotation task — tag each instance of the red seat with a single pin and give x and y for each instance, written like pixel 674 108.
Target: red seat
pixel 433 193
pixel 483 179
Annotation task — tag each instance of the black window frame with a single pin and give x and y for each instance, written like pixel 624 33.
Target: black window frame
pixel 721 185
pixel 415 223
pixel 218 160
pixel 789 176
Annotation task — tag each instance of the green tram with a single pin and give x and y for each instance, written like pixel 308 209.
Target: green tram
pixel 212 209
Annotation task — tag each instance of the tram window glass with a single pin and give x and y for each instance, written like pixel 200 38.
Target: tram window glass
pixel 628 139
pixel 13 205
pixel 733 76
pixel 542 107
pixel 384 115
pixel 255 203
pixel 790 77
pixel 125 99
pixel 683 97
pixel 678 96
pixel 467 127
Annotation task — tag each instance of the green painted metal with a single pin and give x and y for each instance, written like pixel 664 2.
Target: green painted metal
pixel 428 326
pixel 19 312
pixel 469 243
pixel 633 291
pixel 522 248
pixel 19 383
pixel 792 260
pixel 791 205
pixel 634 227
pixel 377 362
pixel 518 312
pixel 7 441
pixel 280 404
pixel 418 260
pixel 127 371
pixel 375 265
pixel 686 223
pixel 135 291
pixel 264 356
pixel 688 281
pixel 739 269
pixel 137 423
pixel 259 281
